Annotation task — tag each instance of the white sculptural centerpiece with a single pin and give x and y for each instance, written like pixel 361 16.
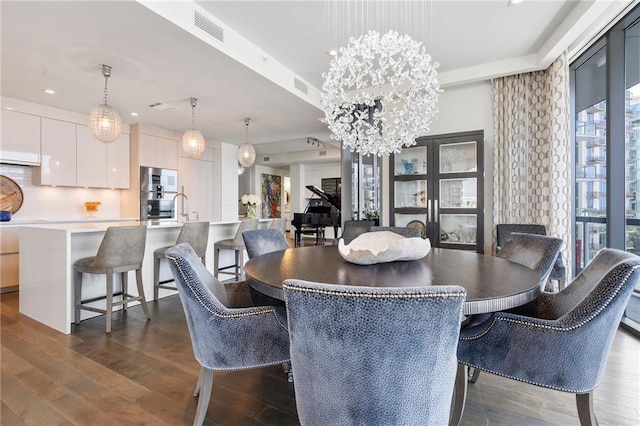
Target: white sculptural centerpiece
pixel 383 246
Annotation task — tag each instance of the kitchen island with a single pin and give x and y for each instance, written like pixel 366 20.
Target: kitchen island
pixel 48 252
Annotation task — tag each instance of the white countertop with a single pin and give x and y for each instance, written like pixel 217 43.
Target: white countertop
pixel 95 226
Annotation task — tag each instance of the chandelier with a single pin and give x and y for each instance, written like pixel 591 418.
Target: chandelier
pixel 104 121
pixel 246 151
pixel 192 140
pixel 380 93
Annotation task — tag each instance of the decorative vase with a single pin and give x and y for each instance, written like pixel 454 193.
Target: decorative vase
pixel 251 211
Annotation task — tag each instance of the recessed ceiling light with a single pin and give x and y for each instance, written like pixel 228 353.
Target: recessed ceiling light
pixel 515 2
pixel 135 114
pixel 332 52
pixel 49 91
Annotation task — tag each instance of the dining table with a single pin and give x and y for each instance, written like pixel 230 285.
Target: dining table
pixel 492 283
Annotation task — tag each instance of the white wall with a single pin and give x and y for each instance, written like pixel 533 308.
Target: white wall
pixel 462 108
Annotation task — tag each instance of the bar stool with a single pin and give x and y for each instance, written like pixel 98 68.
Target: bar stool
pixel 236 244
pixel 196 234
pixel 121 251
pixel 279 223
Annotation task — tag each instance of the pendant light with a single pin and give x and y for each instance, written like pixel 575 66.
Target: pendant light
pixel 246 151
pixel 104 121
pixel 192 141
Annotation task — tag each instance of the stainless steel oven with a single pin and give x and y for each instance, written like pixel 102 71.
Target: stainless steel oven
pixel 158 188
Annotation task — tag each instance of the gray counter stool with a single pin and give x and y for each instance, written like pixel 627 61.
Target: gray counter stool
pixel 196 234
pixel 237 245
pixel 121 251
pixel 279 223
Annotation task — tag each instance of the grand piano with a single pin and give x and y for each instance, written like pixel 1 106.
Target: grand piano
pixel 319 213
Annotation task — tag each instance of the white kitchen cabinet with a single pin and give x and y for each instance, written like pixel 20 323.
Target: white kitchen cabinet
pixel 58 147
pixel 157 151
pixel 118 159
pixel 20 142
pixel 91 159
pixel 196 176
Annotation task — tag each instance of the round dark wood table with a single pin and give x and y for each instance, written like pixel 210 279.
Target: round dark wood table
pixel 492 284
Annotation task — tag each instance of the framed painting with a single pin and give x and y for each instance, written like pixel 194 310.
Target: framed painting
pixel 271 196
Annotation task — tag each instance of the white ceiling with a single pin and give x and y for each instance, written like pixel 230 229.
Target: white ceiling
pixel 60 45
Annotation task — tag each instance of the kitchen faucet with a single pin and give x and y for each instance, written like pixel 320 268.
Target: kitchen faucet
pixel 182 205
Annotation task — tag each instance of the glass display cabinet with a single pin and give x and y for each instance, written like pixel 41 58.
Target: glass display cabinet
pixel 365 186
pixel 439 182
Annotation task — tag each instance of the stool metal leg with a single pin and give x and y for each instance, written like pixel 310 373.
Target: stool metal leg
pixel 77 295
pixel 143 300
pixel 109 307
pixel 125 289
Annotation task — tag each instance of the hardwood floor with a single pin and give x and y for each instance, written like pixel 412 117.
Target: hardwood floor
pixel 144 373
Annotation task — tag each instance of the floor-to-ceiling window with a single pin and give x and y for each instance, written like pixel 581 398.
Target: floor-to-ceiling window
pixel 605 83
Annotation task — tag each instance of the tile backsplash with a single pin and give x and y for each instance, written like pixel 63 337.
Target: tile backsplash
pixel 59 203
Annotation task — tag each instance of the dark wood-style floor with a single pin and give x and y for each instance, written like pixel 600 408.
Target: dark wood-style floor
pixel 144 373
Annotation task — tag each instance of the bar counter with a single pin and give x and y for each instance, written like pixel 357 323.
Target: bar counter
pixel 48 252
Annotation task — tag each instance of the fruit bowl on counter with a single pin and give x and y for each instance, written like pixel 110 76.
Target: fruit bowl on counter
pixel 91 207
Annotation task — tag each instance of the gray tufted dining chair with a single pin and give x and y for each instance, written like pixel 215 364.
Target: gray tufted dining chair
pixel 194 233
pixel 353 228
pixel 224 338
pixel 560 340
pixel 409 232
pixel 262 241
pixel 504 231
pixel 121 251
pixel 371 355
pixel 537 252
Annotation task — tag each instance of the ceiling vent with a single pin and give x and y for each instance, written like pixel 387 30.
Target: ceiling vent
pixel 322 153
pixel 209 27
pixel 300 85
pixel 265 159
pixel 162 106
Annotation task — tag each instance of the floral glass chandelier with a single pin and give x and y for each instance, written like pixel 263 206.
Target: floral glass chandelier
pixel 193 143
pixel 380 93
pixel 246 151
pixel 104 121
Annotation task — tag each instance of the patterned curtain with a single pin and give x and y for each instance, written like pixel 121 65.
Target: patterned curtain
pixel 531 153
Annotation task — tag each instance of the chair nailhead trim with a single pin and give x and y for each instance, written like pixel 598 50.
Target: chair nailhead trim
pixel 373 296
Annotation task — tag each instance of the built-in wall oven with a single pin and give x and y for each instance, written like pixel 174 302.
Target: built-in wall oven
pixel 158 188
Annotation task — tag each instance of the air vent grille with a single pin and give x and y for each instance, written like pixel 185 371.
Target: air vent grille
pixel 322 153
pixel 300 85
pixel 265 159
pixel 209 27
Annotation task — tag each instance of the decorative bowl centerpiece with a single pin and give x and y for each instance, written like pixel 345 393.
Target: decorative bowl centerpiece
pixel 383 246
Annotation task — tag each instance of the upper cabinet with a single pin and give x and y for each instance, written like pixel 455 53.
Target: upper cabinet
pixel 91 159
pixel 439 182
pixel 156 151
pixel 58 148
pixel 118 163
pixel 20 142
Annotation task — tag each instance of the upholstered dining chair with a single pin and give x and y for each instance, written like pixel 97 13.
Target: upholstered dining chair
pixel 237 245
pixel 504 231
pixel 560 340
pixel 224 338
pixel 400 230
pixel 537 252
pixel 420 225
pixel 353 228
pixel 194 233
pixel 262 241
pixel 121 251
pixel 372 355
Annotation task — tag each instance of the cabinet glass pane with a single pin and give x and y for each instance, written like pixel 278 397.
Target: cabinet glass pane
pixel 411 193
pixel 458 193
pixel 458 158
pixel 404 219
pixel 411 161
pixel 458 228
